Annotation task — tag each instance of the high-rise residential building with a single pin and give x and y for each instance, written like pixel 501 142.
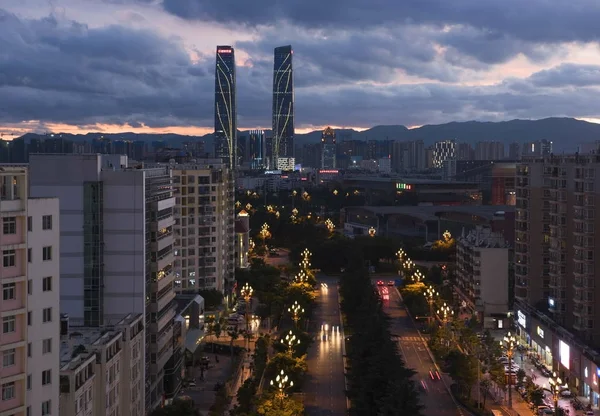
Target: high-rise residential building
pixel 29 273
pixel 464 151
pixel 257 149
pixel 514 151
pixel 283 104
pixel 101 368
pixel 489 151
pixel 328 149
pixel 442 151
pixel 116 248
pixel 482 270
pixel 225 107
pixel 557 240
pixel 537 148
pixel 408 156
pixel 204 227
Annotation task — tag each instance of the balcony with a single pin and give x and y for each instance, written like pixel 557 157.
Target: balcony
pixel 160 223
pixel 161 303
pixel 15 207
pixel 162 241
pixel 162 262
pixel 164 320
pixel 164 278
pixel 166 337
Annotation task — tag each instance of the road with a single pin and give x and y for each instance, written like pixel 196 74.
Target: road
pixel 437 400
pixel 324 389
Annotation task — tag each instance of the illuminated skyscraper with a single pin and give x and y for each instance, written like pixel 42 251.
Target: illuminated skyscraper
pixel 225 107
pixel 328 149
pixel 283 104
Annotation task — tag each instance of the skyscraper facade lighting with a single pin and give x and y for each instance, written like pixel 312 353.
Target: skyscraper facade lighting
pixel 283 103
pixel 225 106
pixel 328 149
pixel 257 151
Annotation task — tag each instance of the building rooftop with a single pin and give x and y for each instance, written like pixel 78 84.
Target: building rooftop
pixel 483 238
pixel 75 347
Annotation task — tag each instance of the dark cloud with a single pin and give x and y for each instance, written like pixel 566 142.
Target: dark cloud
pixel 534 20
pixel 57 71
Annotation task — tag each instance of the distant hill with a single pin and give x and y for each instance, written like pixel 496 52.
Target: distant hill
pixel 566 133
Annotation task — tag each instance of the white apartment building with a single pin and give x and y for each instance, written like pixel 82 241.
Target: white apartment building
pixel 286 163
pixel 116 248
pixel 204 226
pixel 442 151
pixel 482 260
pixel 101 369
pixel 29 241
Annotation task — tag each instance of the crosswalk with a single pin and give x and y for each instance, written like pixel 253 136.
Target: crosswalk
pixel 409 339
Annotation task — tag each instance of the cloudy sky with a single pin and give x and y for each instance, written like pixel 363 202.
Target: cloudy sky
pixel 142 65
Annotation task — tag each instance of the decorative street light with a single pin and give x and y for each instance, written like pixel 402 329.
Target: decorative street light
pixel 555 385
pixel 301 277
pixel 408 264
pixel 290 341
pixel 281 383
pixel 445 312
pixel 372 232
pixel 431 294
pixel 264 231
pixel 335 192
pixel 417 277
pixel 246 293
pixel 401 254
pixel 238 204
pixel 294 211
pixel 509 344
pixel 329 224
pixel 305 263
pixel 296 310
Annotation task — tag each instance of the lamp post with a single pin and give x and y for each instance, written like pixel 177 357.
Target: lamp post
pixel 305 263
pixel 294 193
pixel 400 253
pixel 555 385
pixel 417 277
pixel 431 294
pixel 301 277
pixel 296 310
pixel 508 344
pixel 246 293
pixel 445 312
pixel 290 341
pixel 282 383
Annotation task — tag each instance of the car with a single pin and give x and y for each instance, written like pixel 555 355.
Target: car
pixel 380 283
pixel 544 410
pixel 434 374
pixel 192 384
pixel 423 387
pixel 391 283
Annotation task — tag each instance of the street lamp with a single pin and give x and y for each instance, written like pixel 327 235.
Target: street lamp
pixel 305 263
pixel 281 383
pixel 372 232
pixel 290 341
pixel 509 344
pixel 445 312
pixel 417 277
pixel 301 277
pixel 295 212
pixel 555 385
pixel 401 253
pixel 246 293
pixel 431 294
pixel 329 224
pixel 296 310
pixel 408 264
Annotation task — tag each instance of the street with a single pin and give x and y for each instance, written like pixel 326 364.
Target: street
pixel 324 388
pixel 437 400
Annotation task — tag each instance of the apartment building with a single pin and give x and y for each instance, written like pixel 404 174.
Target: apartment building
pixel 204 226
pixel 29 272
pixel 482 271
pixel 556 250
pixel 101 369
pixel 116 248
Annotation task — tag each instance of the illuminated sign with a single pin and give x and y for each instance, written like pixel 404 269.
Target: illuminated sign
pixel 585 372
pixel 598 372
pixel 565 354
pixel 550 303
pixel 333 171
pixel 403 186
pixel 540 332
pixel 272 172
pixel 521 319
pixel 223 50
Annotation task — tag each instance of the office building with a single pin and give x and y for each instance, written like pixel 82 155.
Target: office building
pixel 442 151
pixel 257 149
pixel 101 369
pixel 29 273
pixel 225 107
pixel 286 163
pixel 283 104
pixel 328 149
pixel 204 227
pixel 116 248
pixel 482 272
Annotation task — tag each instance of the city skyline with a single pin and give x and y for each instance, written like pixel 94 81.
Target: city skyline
pixel 146 67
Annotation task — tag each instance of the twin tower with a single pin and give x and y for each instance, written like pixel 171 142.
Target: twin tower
pixel 226 105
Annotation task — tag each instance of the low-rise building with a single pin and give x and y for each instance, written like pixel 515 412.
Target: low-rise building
pixel 102 371
pixel 482 270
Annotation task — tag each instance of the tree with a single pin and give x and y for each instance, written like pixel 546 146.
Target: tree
pixel 485 386
pixel 463 370
pixel 234 334
pixel 212 298
pixel 273 406
pixel 178 408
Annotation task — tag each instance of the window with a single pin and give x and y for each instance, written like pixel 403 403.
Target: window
pixel 47 253
pixel 29 255
pixel 8 324
pixel 8 391
pixel 30 287
pixel 47 315
pixel 47 284
pixel 28 381
pixel 9 291
pixel 29 350
pixel 9 225
pixel 47 346
pixel 46 407
pixel 8 357
pixel 28 411
pixel 29 318
pixel 47 222
pixel 46 377
pixel 29 224
pixel 9 258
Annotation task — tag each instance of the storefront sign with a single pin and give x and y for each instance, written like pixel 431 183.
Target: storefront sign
pixel 585 372
pixel 521 319
pixel 540 332
pixel 565 354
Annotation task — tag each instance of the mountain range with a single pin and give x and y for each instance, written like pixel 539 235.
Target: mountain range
pixel 565 133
